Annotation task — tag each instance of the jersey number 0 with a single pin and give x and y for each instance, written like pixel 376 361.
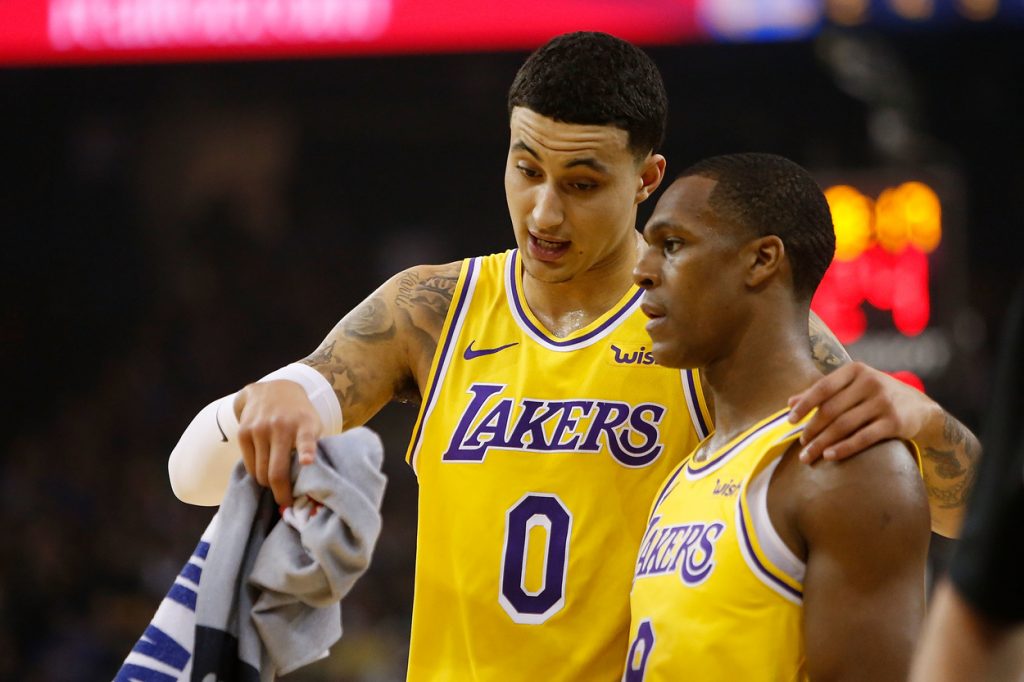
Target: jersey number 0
pixel 524 605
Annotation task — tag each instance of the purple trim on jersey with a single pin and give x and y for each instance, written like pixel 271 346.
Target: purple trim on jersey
pixel 520 311
pixel 701 424
pixel 463 296
pixel 705 466
pixel 665 489
pixel 757 561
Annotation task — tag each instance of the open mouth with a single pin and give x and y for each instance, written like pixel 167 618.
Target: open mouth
pixel 547 249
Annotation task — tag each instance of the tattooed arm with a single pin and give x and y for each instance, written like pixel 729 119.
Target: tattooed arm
pixel 380 351
pixel 859 406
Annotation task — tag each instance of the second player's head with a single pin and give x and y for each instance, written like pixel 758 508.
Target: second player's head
pixel 734 238
pixel 587 114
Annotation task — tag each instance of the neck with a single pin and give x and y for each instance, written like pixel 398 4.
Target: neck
pixel 768 364
pixel 565 307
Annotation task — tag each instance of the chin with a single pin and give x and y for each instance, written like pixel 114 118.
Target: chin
pixel 671 357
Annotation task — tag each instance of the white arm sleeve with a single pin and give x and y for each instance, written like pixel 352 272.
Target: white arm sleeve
pixel 201 463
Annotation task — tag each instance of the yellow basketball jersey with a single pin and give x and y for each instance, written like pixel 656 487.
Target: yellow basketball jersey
pixel 537 459
pixel 717 594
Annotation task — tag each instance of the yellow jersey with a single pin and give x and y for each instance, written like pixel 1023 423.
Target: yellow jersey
pixel 537 459
pixel 717 594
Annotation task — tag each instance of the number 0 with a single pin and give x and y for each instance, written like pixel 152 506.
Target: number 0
pixel 533 607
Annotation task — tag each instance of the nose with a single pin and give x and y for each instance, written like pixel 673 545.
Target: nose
pixel 645 274
pixel 548 211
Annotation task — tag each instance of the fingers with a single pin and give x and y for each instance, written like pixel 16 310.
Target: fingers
pixel 822 389
pixel 279 466
pixel 835 439
pixel 305 442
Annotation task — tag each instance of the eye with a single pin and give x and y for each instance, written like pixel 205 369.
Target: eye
pixel 527 171
pixel 671 245
pixel 583 186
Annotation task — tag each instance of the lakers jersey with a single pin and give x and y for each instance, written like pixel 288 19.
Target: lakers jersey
pixel 537 459
pixel 717 594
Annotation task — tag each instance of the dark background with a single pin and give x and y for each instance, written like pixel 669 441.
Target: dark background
pixel 171 232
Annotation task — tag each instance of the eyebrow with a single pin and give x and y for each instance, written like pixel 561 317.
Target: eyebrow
pixel 587 161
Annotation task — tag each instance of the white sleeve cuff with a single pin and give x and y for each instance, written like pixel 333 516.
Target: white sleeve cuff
pixel 319 391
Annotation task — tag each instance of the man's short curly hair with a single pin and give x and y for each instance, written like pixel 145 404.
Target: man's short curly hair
pixel 595 79
pixel 769 194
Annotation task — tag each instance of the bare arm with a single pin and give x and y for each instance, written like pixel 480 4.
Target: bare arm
pixel 859 406
pixel 865 525
pixel 380 351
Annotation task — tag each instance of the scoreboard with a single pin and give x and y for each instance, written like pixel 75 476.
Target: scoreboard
pixel 895 294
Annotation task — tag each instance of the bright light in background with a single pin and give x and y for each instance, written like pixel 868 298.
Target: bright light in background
pixel 881 258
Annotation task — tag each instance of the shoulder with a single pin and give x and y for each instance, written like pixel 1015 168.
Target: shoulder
pixel 878 489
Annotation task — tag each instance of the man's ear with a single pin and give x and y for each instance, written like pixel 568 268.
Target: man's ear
pixel 652 172
pixel 766 256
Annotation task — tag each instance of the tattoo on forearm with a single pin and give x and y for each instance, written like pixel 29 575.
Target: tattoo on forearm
pixel 828 353
pixel 342 376
pixel 957 464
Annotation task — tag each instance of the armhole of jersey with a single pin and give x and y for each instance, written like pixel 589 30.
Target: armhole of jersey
pixel 696 404
pixel 764 550
pixel 445 348
pixel 916 452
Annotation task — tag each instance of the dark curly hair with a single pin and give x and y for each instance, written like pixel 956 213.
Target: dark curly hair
pixel 769 194
pixel 594 78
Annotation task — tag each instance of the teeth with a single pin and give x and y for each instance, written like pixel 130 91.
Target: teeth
pixel 544 243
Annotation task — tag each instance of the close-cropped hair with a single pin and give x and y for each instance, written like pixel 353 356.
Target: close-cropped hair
pixel 771 195
pixel 593 78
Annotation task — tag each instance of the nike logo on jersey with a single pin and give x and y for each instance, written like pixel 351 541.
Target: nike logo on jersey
pixel 216 418
pixel 471 352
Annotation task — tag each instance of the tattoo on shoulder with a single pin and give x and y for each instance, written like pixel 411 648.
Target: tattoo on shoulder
pixel 828 353
pixel 432 295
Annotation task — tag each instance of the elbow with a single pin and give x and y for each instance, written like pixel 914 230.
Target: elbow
pixel 187 485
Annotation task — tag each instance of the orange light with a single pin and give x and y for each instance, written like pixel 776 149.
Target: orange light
pixel 853 217
pixel 923 213
pixel 881 258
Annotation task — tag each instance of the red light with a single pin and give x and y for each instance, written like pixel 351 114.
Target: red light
pixel 908 378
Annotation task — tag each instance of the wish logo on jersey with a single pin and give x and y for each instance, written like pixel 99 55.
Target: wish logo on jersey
pixel 625 356
pixel 490 420
pixel 688 548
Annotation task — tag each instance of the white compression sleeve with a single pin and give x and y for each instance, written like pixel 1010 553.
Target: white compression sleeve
pixel 201 463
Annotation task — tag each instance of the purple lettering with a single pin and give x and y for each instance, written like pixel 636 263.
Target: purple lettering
pixel 481 392
pixel 645 453
pixel 568 423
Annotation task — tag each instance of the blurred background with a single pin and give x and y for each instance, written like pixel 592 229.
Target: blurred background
pixel 192 193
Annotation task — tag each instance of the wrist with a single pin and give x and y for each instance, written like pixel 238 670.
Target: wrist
pixel 319 391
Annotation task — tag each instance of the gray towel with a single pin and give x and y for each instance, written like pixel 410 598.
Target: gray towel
pixel 278 594
pixel 269 589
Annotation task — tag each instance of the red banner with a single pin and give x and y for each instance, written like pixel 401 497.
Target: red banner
pixel 103 31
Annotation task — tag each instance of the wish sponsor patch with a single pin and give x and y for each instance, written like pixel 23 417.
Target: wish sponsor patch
pixel 636 354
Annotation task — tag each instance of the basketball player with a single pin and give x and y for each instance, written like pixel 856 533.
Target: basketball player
pixel 544 428
pixel 754 566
